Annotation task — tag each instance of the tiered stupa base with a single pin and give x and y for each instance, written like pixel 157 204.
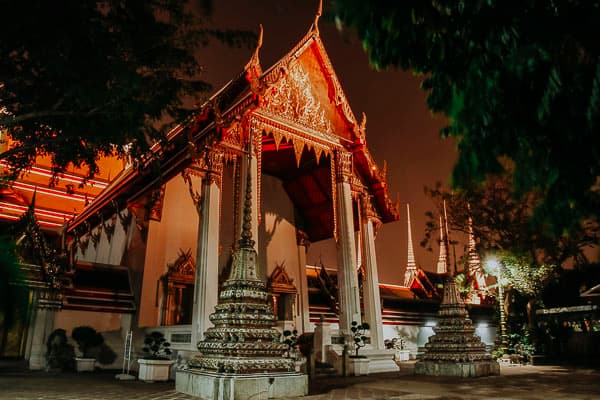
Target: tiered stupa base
pixel 455 350
pixel 241 387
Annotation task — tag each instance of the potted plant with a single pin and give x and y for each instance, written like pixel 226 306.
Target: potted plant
pixel 87 341
pixel 155 364
pixel 359 364
pixel 60 356
pixel 290 338
pixel 401 352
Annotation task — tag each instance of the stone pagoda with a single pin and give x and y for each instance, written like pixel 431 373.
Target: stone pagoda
pixel 455 350
pixel 242 355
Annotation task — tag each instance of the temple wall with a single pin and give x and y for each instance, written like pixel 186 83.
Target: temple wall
pixel 226 235
pixel 102 322
pixel 277 233
pixel 277 240
pixel 177 229
pixel 324 250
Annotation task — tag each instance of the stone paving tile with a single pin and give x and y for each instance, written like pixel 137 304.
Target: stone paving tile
pixel 522 383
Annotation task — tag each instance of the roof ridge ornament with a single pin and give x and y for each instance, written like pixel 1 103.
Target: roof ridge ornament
pixel 315 25
pixel 255 59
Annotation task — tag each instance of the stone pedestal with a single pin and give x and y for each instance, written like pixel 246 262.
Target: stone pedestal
pixel 321 339
pixel 460 370
pixel 241 387
pixel 154 370
pixel 358 366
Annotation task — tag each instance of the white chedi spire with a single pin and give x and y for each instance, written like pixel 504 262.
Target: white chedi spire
pixel 474 269
pixel 442 258
pixel 411 265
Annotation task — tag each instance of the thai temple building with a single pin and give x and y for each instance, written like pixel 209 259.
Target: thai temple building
pixel 149 248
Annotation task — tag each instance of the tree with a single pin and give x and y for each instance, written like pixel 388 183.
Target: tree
pixel 502 223
pixel 13 295
pixel 519 82
pixel 84 79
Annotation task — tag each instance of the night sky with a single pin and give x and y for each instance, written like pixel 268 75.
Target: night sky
pixel 400 128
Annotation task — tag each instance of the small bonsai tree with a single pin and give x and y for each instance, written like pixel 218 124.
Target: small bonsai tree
pixel 88 340
pixel 156 347
pixel 290 338
pixel 358 331
pixel 59 354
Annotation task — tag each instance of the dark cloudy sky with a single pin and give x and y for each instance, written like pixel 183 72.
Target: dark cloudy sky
pixel 400 129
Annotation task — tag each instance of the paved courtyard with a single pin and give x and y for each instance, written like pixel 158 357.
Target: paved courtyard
pixel 516 382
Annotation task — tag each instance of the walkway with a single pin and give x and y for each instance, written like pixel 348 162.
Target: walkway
pixel 516 382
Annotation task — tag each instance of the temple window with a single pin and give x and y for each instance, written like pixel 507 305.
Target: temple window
pixel 283 292
pixel 178 290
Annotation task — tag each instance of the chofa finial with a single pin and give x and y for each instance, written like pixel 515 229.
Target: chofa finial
pixel 319 13
pixel 254 60
pixel 260 38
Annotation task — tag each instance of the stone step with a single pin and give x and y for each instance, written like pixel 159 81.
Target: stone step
pixel 325 372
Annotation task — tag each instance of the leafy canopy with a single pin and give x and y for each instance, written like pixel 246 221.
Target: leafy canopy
pixel 518 79
pixel 502 224
pixel 84 79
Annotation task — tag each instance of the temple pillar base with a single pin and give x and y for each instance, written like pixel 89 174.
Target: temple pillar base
pixel 460 370
pixel 212 386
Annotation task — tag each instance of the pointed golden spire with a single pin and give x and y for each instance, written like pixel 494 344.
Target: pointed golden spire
pixel 246 241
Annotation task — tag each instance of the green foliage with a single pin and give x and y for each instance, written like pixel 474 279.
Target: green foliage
pixel 13 294
pixel 59 354
pixel 520 345
pixel 502 223
pixel 519 82
pixel 156 346
pixel 359 337
pixel 290 338
pixel 92 78
pixel 530 280
pixel 87 339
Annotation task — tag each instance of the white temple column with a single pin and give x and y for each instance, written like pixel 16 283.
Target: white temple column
pixel 346 247
pixel 206 288
pixel 303 317
pixel 371 297
pixel 42 324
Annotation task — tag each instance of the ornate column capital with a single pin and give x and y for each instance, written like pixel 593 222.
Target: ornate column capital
pixel 302 238
pixel 343 166
pixel 210 164
pixel 368 210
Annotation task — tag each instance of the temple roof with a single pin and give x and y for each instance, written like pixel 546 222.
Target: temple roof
pixel 301 100
pixel 58 200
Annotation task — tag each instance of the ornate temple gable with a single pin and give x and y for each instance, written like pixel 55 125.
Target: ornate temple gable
pixel 280 281
pixel 184 265
pixel 303 89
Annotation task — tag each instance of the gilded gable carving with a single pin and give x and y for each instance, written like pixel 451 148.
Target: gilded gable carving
pixel 184 264
pixel 291 97
pixel 280 281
